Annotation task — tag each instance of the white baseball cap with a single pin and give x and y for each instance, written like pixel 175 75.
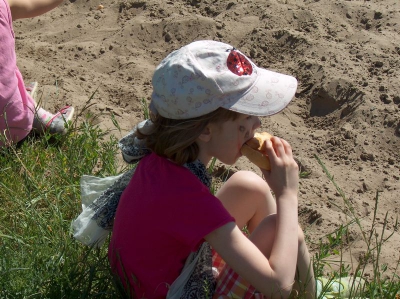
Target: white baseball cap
pixel 205 75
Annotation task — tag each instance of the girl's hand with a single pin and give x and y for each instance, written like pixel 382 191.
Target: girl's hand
pixel 283 178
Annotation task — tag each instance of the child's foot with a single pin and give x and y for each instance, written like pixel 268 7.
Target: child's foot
pixel 44 121
pixel 57 124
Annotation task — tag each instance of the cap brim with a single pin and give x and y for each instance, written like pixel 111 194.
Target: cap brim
pixel 270 93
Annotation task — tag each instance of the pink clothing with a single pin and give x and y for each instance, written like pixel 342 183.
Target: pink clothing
pixel 16 106
pixel 163 215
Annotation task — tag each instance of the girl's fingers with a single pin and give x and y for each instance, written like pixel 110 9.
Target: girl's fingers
pixel 277 149
pixel 283 176
pixel 277 146
pixel 269 148
pixel 288 148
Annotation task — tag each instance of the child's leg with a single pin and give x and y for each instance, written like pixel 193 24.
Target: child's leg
pixel 247 197
pixel 263 236
pixel 306 279
pixel 249 200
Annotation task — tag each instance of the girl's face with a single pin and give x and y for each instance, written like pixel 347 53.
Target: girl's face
pixel 227 138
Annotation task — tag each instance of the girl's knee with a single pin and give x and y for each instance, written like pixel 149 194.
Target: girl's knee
pixel 248 198
pixel 248 181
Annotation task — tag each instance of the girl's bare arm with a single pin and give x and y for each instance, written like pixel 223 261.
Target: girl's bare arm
pixel 273 276
pixel 21 9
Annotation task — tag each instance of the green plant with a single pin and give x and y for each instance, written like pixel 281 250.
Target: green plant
pixel 374 238
pixel 39 197
pixel 304 174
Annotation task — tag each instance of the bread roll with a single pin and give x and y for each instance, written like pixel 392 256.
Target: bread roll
pixel 253 149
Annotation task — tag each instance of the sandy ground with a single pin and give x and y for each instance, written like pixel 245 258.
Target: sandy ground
pixel 345 54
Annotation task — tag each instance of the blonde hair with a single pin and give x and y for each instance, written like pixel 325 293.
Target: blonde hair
pixel 175 138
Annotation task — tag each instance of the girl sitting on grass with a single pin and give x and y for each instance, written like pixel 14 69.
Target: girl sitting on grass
pixel 19 113
pixel 172 238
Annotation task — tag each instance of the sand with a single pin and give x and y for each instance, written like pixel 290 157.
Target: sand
pixel 345 54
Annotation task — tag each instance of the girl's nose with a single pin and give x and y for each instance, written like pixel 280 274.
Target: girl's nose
pixel 257 123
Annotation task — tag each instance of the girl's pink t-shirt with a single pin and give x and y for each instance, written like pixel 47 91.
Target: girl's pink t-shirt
pixel 163 215
pixel 16 106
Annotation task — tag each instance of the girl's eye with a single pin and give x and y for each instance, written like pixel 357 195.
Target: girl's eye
pixel 242 129
pixel 249 117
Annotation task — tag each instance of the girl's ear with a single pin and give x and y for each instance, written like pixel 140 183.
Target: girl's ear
pixel 205 136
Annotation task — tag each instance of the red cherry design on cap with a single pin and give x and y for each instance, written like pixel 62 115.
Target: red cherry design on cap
pixel 238 64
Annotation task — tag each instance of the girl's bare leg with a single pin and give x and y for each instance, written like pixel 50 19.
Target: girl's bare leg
pixel 248 199
pixel 263 236
pixel 305 280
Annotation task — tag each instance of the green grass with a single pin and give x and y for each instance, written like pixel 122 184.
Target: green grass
pixel 40 196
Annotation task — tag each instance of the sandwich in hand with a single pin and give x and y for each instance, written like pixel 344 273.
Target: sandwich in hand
pixel 253 149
